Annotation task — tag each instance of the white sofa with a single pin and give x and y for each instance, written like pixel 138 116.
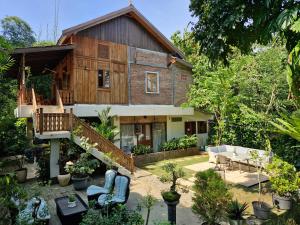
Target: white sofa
pixel 238 151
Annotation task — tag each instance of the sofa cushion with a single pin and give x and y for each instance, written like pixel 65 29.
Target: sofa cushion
pixel 241 150
pixel 230 148
pixel 222 148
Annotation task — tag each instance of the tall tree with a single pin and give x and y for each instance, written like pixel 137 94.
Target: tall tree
pixel 241 23
pixel 17 31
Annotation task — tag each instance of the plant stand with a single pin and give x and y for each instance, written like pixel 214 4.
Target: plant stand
pixel 172 211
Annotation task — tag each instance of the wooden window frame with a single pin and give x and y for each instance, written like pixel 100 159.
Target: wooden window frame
pixel 146 83
pixel 103 87
pixel 198 127
pixel 185 127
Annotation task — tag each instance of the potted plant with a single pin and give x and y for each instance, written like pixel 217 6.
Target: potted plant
pixel 71 201
pixel 236 212
pixel 64 177
pixel 211 197
pixel 171 197
pixel 284 182
pixel 261 209
pixel 80 170
pixel 21 172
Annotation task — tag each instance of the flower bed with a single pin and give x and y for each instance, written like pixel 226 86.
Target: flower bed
pixel 141 160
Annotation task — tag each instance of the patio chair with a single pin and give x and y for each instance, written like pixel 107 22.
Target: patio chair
pixel 223 162
pixel 120 195
pixel 93 191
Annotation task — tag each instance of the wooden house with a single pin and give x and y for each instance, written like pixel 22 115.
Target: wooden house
pixel 118 60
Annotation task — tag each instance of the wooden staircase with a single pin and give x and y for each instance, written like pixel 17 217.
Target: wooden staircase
pixel 63 122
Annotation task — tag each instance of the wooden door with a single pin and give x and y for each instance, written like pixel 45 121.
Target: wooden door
pixel 86 86
pixel 119 83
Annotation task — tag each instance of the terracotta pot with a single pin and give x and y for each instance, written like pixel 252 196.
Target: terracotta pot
pixel 64 179
pixel 21 175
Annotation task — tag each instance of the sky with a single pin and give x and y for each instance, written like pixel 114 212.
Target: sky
pixel 167 15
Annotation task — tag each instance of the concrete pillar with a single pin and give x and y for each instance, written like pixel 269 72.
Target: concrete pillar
pixel 117 124
pixel 54 157
pixel 29 130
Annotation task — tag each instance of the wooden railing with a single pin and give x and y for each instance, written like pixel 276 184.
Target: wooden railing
pixel 66 97
pixel 48 122
pixel 53 122
pixel 104 145
pixel 25 95
pixel 34 102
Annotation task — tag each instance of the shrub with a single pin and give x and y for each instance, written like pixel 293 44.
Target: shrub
pixel 141 149
pixel 180 143
pixel 211 196
pixel 283 176
pixel 119 216
pixel 43 170
pixel 236 211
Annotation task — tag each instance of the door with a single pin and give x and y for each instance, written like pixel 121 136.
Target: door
pixel 143 133
pixel 119 84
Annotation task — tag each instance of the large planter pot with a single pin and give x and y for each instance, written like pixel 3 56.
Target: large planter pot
pixel 64 179
pixel 284 203
pixel 261 210
pixel 172 209
pixel 80 183
pixel 21 175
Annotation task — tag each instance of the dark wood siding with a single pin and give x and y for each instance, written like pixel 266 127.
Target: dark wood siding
pixel 124 30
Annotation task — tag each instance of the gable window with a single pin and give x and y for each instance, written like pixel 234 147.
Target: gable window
pixel 103 79
pixel 152 82
pixel 202 127
pixel 190 128
pixel 103 51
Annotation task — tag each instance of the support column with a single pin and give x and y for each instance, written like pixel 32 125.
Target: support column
pixel 54 157
pixel 117 124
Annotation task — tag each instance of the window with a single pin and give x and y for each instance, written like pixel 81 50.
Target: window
pixel 103 51
pixel 152 82
pixel 190 128
pixel 202 127
pixel 103 79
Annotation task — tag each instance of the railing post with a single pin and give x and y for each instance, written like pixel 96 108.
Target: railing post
pixel 71 119
pixel 41 121
pixel 131 164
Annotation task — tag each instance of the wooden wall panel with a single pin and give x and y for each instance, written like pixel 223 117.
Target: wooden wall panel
pixel 87 65
pixel 124 30
pixel 142 119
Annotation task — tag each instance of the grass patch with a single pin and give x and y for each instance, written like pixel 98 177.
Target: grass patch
pixel 156 169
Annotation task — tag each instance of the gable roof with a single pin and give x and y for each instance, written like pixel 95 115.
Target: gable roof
pixel 135 14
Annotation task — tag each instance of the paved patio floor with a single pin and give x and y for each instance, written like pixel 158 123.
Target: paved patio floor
pixel 142 183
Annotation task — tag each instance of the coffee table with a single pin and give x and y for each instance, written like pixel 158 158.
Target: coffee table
pixel 70 216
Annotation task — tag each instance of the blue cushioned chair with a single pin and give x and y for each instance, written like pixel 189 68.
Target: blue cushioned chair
pixel 93 191
pixel 120 195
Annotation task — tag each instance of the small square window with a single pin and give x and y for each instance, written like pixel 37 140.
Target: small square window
pixel 103 79
pixel 202 127
pixel 152 82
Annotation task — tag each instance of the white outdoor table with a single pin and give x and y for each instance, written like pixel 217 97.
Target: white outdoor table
pixel 241 159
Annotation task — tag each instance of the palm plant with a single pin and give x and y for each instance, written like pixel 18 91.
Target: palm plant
pixel 106 127
pixel 236 211
pixel 289 125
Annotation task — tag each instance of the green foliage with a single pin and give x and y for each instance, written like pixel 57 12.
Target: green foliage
pixel 289 126
pixel 119 216
pixel 42 84
pixel 43 43
pixel 106 127
pixel 180 143
pixel 148 202
pixel 43 171
pixel 285 181
pixel 17 31
pixel 83 166
pixel 211 196
pixel 173 174
pixel 9 189
pixel 141 149
pixel 72 198
pixel 236 211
